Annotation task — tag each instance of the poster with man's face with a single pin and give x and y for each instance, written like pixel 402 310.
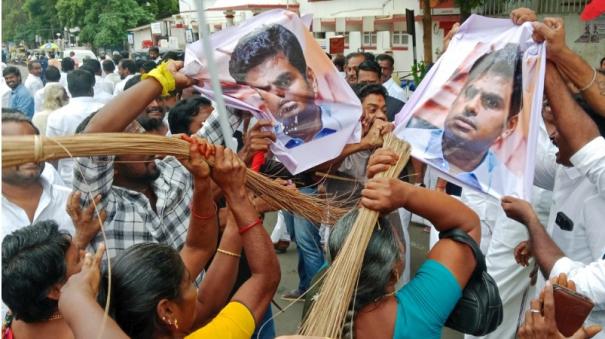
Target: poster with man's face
pixel 271 66
pixel 474 116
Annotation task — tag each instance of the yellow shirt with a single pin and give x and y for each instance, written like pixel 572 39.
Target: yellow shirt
pixel 233 322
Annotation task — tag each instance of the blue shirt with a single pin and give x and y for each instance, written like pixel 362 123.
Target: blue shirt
pixel 425 303
pixel 22 100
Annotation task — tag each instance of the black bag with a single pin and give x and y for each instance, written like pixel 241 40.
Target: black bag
pixel 479 311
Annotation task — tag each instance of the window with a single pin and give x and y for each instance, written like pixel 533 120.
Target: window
pixel 319 35
pixel 369 39
pixel 346 35
pixel 400 39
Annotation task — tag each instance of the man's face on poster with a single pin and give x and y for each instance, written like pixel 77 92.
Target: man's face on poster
pixel 287 94
pixel 478 116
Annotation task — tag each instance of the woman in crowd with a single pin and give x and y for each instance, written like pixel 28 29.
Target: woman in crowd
pixel 154 295
pixel 421 307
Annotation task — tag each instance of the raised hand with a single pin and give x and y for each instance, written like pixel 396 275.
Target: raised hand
pixel 552 30
pixel 257 140
pixel 199 151
pixel 229 173
pixel 519 210
pixel 86 282
pixel 86 221
pixel 522 15
pixel 381 160
pixel 384 194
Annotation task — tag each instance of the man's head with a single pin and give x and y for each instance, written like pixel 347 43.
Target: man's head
pixel 34 68
pixel 271 60
pixel 339 62
pixel 80 83
pixel 187 116
pixel 26 174
pixel 67 65
pixel 126 67
pixel 72 54
pixel 386 63
pixel 147 66
pixel 352 62
pixel 155 109
pixel 154 53
pixel 373 103
pixel 94 65
pixel 36 261
pixel 108 66
pixel 602 64
pixel 53 74
pixel 488 106
pixel 369 72
pixel 12 76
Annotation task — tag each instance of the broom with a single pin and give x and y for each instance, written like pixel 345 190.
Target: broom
pixel 327 314
pixel 18 150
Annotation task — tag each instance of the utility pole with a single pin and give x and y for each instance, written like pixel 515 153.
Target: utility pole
pixel 427 29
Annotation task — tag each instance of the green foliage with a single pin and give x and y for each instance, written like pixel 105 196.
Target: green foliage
pixel 419 70
pixel 24 19
pixel 466 6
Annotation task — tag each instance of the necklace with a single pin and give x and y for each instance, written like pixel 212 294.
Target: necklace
pixel 55 316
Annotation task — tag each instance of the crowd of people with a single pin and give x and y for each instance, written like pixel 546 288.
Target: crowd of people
pixel 188 253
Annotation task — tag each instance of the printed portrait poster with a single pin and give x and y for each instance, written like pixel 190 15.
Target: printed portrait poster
pixel 475 116
pixel 272 66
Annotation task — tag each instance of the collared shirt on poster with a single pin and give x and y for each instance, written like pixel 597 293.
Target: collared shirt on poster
pixel 329 125
pixel 130 216
pixel 64 121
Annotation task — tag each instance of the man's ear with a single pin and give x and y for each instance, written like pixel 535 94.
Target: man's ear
pixel 55 292
pixel 311 81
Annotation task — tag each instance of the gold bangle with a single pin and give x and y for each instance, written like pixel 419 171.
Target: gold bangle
pixel 228 253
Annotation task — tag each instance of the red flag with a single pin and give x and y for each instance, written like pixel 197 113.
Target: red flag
pixel 593 10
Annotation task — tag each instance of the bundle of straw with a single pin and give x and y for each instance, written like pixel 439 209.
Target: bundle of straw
pixel 18 150
pixel 328 312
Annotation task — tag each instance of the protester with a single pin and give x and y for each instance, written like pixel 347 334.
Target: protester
pixel 188 116
pixel 387 65
pixel 369 72
pixel 339 62
pixel 109 76
pixel 100 86
pixel 67 65
pixel 126 70
pixel 53 76
pixel 154 54
pixel 20 98
pixel 54 98
pixel 33 82
pixel 100 90
pixel 352 62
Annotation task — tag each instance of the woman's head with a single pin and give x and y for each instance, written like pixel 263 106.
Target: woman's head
pixel 187 116
pixel 152 291
pixel 36 261
pixel 382 262
pixel 55 97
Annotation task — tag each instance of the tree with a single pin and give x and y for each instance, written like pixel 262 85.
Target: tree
pixel 119 16
pixel 466 6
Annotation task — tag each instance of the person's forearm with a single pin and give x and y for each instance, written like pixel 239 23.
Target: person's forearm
pixel 220 276
pixel 332 165
pixel 574 125
pixel 576 69
pixel 202 235
pixel 85 317
pixel 124 108
pixel 450 213
pixel 543 247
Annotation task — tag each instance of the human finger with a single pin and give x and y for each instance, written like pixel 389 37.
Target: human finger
pixel 99 255
pixel 549 302
pixel 587 332
pixel 73 203
pixel 89 211
pixel 535 308
pixel 541 31
pixel 375 169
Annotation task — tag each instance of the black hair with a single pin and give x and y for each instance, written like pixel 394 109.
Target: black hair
pixel 11 70
pixel 363 90
pixel 370 66
pixel 80 83
pixel 381 255
pixel 30 64
pixel 601 63
pixel 507 63
pixel 369 56
pixel 116 57
pixel 387 57
pixel 142 276
pixel 17 116
pixel 132 81
pixel 598 119
pixel 124 54
pixel 94 65
pixel 67 65
pixel 150 124
pixel 33 261
pixel 53 74
pixel 353 55
pixel 174 55
pixel 263 43
pixel 129 65
pixel 339 62
pixel 154 49
pixel 108 66
pixel 183 112
pixel 148 66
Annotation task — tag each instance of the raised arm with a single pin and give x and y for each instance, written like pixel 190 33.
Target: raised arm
pixel 257 291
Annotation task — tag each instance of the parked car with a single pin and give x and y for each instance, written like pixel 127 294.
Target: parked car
pixel 80 54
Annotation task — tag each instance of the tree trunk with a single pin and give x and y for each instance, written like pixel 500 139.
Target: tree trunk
pixel 427 36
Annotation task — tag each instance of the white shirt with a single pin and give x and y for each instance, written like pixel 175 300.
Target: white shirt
pixel 33 83
pixel 64 121
pixel 394 90
pixel 50 207
pixel 119 88
pixel 63 81
pixel 39 96
pixel 102 86
pixel 111 80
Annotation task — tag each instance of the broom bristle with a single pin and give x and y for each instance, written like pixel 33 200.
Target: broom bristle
pixel 327 314
pixel 18 150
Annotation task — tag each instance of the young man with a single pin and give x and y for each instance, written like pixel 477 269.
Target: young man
pixel 67 65
pixel 109 75
pixel 33 82
pixel 20 98
pixel 101 94
pixel 66 119
pixel 126 69
pixel 154 54
pixel 369 72
pixel 387 64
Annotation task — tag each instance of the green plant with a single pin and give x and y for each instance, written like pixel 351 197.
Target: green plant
pixel 419 70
